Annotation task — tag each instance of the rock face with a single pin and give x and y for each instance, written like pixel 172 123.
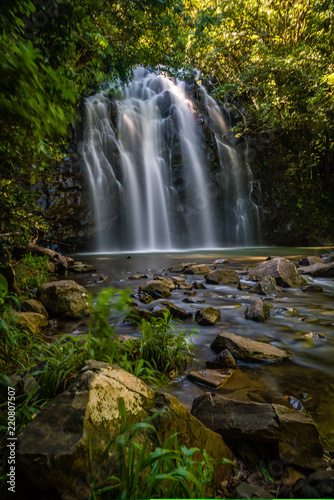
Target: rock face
pixel 199 269
pixel 177 312
pixel 258 311
pixel 318 270
pixel 207 316
pixel 64 298
pixel 35 306
pixel 282 270
pixel 266 286
pixel 34 321
pixel 53 448
pixel 247 350
pixel 223 276
pixel 295 432
pixel 156 288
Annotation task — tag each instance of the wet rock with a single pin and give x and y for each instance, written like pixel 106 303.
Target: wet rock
pixel 258 311
pixel 222 276
pixel 185 286
pixel 319 484
pixel 35 306
pixel 168 283
pixel 190 292
pixel 34 321
pixel 198 285
pixel 315 336
pixel 208 316
pixel 221 261
pixel 65 298
pixel 136 315
pixel 309 261
pixel 318 270
pixel 286 311
pixel 224 360
pixel 138 276
pixel 328 257
pixel 312 288
pixel 199 269
pixel 79 267
pixel 177 312
pixel 247 350
pixel 194 300
pixel 266 286
pixel 143 297
pixel 181 268
pixel 177 280
pixel 282 270
pixel 156 288
pixel 89 407
pixel 243 286
pixel 294 432
pixel 211 378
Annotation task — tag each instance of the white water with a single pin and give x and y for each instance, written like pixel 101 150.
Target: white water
pixel 141 201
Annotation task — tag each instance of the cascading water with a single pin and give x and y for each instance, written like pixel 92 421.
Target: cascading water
pixel 149 180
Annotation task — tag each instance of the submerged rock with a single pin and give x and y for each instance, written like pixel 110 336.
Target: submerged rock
pixel 223 276
pixel 295 432
pixel 207 316
pixel 258 311
pixel 88 412
pixel 247 350
pixel 282 270
pixel 65 298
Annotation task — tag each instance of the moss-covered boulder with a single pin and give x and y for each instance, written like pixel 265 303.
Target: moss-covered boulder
pixel 64 298
pixel 53 450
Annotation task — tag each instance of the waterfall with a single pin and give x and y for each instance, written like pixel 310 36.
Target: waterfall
pixel 150 183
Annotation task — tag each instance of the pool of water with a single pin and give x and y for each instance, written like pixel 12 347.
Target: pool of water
pixel 307 380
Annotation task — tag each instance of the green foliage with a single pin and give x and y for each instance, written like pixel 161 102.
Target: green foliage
pixel 164 346
pixel 31 272
pixel 169 471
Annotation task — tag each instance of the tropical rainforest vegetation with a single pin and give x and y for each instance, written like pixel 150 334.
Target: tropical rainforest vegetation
pixel 272 59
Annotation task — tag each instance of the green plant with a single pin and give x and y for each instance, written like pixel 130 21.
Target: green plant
pixel 32 271
pixel 165 347
pixel 169 471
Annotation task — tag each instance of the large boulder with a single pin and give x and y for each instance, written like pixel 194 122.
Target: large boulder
pixel 64 298
pixel 34 321
pixel 318 270
pixel 53 450
pixel 247 350
pixel 258 311
pixel 282 270
pixel 222 276
pixel 156 288
pixel 295 432
pixel 32 305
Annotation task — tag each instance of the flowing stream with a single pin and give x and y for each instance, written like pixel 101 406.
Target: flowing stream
pixel 151 184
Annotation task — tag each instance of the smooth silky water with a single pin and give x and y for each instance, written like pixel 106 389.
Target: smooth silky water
pixel 308 377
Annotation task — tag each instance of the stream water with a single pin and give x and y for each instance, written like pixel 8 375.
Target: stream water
pixel 307 380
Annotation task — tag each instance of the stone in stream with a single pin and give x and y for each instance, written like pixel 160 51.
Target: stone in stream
pixel 315 336
pixel 199 269
pixel 247 350
pixel 309 261
pixel 177 312
pixel 64 298
pixel 79 267
pixel 328 257
pixel 177 279
pixel 207 316
pixel 185 286
pixel 318 270
pixel 258 311
pixel 224 360
pixel 136 314
pixel 88 412
pixel 282 270
pixel 266 286
pixel 285 311
pixel 221 261
pixel 198 285
pixel 169 283
pixel 156 288
pixel 194 300
pixel 143 297
pixel 181 268
pixel 211 378
pixel 190 292
pixel 312 288
pixel 243 286
pixel 294 432
pixel 34 321
pixel 32 305
pixel 223 276
pixel 138 276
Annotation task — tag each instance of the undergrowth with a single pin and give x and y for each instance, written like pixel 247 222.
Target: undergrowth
pixel 32 272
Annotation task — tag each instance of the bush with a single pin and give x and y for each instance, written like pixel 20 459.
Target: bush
pixel 32 272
